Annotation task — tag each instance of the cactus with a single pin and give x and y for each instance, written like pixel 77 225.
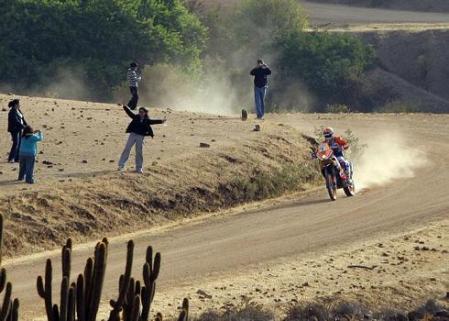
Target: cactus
pixel 134 300
pixel 150 275
pixel 124 283
pixel 9 309
pixel 44 288
pixel 81 299
pixel 89 285
pixel 184 314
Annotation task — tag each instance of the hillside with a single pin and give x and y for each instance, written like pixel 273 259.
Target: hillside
pixel 277 252
pixel 412 5
pixel 81 194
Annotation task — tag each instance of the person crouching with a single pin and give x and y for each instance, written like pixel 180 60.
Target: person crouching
pixel 138 129
pixel 27 153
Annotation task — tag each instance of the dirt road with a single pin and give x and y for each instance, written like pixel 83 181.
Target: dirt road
pixel 311 225
pixel 343 15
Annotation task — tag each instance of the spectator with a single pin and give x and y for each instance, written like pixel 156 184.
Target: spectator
pixel 133 80
pixel 139 127
pixel 27 154
pixel 16 123
pixel 260 73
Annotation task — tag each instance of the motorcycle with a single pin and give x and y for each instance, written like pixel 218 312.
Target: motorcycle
pixel 333 172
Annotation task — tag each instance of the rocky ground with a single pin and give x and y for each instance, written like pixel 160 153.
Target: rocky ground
pixel 397 274
pixel 197 163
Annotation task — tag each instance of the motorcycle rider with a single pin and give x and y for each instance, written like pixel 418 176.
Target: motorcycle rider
pixel 338 145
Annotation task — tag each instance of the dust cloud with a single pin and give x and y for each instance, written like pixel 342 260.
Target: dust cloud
pixel 67 83
pixel 215 93
pixel 387 156
pixel 64 83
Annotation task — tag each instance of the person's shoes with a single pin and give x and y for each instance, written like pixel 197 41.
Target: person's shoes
pixel 11 161
pixel 30 182
pixel 20 179
pixel 139 171
pixel 121 168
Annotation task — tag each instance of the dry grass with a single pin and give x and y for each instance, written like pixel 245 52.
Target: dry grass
pixel 330 310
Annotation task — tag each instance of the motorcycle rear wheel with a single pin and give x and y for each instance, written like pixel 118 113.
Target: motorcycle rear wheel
pixel 350 190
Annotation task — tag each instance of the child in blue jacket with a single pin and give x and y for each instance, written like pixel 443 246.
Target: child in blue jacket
pixel 27 153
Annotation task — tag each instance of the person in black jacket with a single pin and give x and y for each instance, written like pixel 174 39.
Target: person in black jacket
pixel 16 123
pixel 260 73
pixel 138 129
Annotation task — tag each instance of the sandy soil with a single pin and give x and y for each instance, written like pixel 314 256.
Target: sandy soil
pixel 404 200
pixel 84 139
pixel 79 192
pixel 398 272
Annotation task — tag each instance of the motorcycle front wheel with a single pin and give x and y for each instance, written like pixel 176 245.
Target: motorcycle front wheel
pixel 331 186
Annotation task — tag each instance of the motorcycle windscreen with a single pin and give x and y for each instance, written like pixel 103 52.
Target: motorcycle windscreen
pixel 324 151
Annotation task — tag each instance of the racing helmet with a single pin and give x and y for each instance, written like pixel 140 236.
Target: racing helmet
pixel 328 132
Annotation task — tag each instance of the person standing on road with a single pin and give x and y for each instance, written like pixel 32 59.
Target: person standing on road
pixel 260 73
pixel 133 80
pixel 16 123
pixel 138 129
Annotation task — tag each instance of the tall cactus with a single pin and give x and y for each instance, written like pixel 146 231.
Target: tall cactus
pixel 81 299
pixel 89 285
pixel 93 296
pixel 150 274
pixel 44 288
pixel 184 314
pixel 134 300
pixel 9 309
pixel 124 284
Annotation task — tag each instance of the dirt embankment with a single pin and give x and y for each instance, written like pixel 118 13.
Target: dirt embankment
pixel 75 199
pixel 413 5
pixel 418 57
pixel 411 71
pixel 415 69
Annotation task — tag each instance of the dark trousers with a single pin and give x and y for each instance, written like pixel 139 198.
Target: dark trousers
pixel 132 104
pixel 26 168
pixel 16 138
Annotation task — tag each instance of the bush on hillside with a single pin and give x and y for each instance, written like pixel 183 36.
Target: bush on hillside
pixel 100 37
pixel 309 69
pixel 330 64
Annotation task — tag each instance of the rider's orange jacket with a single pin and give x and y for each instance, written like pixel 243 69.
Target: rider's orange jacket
pixel 342 142
pixel 338 145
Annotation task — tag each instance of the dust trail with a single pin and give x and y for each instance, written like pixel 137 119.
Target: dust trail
pixel 387 156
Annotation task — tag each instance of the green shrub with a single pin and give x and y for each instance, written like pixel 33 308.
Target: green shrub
pixel 338 109
pixel 263 185
pixel 101 36
pixel 398 107
pixel 309 69
pixel 328 63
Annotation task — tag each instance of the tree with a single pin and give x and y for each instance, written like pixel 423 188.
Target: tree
pixel 328 63
pixel 100 37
